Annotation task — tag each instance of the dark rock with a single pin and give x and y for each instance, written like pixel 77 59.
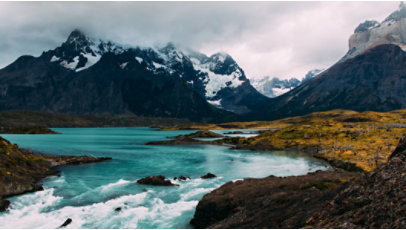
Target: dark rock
pixel 66 223
pixel 155 180
pixel 4 204
pixel 377 200
pixel 181 178
pixel 208 176
pixel 270 202
pixel 117 209
pixel 400 148
pixel 324 199
pixel 188 139
pixel 201 134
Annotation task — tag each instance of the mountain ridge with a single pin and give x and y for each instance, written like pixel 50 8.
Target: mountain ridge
pixel 115 80
pixel 370 77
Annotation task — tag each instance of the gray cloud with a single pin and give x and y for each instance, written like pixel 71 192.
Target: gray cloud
pixel 284 39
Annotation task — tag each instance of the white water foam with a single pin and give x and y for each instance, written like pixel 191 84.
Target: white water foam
pixel 143 210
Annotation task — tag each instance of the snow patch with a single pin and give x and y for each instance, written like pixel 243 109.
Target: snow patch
pixel 158 66
pixel 122 66
pixel 70 65
pixel 215 82
pixel 278 92
pixel 216 103
pixel 54 59
pixel 139 60
pixel 91 60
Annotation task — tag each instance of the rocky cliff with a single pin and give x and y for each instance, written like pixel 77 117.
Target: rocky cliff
pixel 329 199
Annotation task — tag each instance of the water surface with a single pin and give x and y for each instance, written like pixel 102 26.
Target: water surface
pixel 89 194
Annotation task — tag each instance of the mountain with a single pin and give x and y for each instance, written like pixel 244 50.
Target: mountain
pixel 273 87
pixel 371 76
pixel 92 76
pixel 371 33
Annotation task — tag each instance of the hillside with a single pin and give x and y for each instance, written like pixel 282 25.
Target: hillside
pixel 324 199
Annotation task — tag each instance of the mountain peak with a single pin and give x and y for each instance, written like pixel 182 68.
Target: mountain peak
pixel 75 36
pixel 370 34
pixel 398 14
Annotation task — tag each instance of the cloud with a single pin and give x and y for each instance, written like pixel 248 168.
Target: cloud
pixel 284 39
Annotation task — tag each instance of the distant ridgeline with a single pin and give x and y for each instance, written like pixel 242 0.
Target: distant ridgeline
pixel 91 76
pixel 273 87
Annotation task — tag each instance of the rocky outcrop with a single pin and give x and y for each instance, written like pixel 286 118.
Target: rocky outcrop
pixel 208 176
pixel 20 170
pixel 201 134
pixel 324 199
pixel 66 223
pixel 271 202
pixel 376 201
pixel 155 180
pixel 182 178
pixel 4 204
pixel 188 139
pixel 371 33
pixel 26 130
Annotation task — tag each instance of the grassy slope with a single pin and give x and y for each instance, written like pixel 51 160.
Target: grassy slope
pixel 364 139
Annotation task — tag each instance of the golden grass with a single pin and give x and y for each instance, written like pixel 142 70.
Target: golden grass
pixel 365 139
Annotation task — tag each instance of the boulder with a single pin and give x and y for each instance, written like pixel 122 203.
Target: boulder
pixel 155 180
pixel 4 204
pixel 181 178
pixel 66 223
pixel 208 176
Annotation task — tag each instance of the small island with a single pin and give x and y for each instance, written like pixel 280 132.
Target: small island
pixel 189 139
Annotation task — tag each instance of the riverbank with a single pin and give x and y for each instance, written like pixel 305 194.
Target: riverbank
pixel 26 130
pixel 20 169
pixel 343 138
pixel 335 199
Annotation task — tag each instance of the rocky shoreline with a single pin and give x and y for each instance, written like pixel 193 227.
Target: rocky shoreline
pixel 233 143
pixel 21 170
pixel 26 130
pixel 324 199
pixel 189 139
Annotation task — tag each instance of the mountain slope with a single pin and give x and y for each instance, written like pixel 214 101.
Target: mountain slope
pixel 372 76
pixel 86 77
pixel 375 80
pixel 370 34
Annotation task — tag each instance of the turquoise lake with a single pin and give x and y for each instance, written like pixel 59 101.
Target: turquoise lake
pixel 90 193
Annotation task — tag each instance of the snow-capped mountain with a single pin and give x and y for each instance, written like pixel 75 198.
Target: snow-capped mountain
pixel 213 77
pixel 370 77
pixel 371 33
pixel 274 87
pixel 87 75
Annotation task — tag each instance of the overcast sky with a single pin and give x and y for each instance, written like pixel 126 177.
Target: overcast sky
pixel 283 39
